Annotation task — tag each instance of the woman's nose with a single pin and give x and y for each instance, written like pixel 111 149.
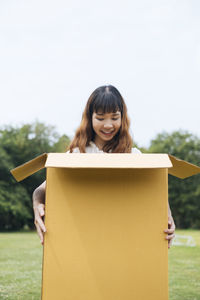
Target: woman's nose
pixel 108 125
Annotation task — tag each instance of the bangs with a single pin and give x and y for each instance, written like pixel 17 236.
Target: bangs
pixel 106 103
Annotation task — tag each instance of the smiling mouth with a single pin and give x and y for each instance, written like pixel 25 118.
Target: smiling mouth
pixel 107 133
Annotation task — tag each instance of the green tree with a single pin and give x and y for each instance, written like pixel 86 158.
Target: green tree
pixel 184 195
pixel 17 146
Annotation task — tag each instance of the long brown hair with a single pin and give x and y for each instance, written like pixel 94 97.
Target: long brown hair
pixel 105 99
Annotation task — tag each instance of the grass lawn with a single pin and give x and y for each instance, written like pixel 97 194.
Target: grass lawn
pixel 21 260
pixel 20 266
pixel 184 269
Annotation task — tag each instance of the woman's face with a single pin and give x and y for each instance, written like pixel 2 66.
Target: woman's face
pixel 105 126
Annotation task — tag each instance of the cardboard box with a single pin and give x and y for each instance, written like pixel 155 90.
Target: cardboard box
pixel 105 216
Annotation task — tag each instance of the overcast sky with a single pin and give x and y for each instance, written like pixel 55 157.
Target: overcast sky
pixel 53 54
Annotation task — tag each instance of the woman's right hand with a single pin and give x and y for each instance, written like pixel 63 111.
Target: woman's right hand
pixel 39 223
pixel 39 210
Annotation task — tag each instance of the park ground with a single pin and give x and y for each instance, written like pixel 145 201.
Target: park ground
pixel 21 261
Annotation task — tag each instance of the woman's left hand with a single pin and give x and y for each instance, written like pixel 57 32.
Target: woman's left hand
pixel 170 231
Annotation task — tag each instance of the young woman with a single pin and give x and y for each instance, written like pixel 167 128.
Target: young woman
pixel 104 128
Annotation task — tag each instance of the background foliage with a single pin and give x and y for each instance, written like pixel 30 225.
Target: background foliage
pixel 184 194
pixel 18 145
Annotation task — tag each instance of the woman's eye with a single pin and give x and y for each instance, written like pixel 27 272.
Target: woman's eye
pixel 101 119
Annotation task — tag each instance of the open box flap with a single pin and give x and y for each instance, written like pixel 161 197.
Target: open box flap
pixel 92 160
pixel 176 167
pixel 29 167
pixel 181 168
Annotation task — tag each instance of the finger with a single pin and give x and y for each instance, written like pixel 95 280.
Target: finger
pixel 40 234
pixel 171 226
pixel 169 230
pixel 170 243
pixel 41 209
pixel 170 236
pixel 40 222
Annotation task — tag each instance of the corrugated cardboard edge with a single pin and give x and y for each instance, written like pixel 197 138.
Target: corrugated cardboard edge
pixel 181 168
pixel 108 160
pixel 29 167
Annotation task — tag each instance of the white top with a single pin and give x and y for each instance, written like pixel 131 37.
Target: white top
pixel 92 148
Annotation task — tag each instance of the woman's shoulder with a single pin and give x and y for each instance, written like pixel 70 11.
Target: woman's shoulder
pixel 75 150
pixel 92 148
pixel 136 151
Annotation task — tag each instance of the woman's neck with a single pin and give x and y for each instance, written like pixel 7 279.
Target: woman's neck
pixel 99 143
